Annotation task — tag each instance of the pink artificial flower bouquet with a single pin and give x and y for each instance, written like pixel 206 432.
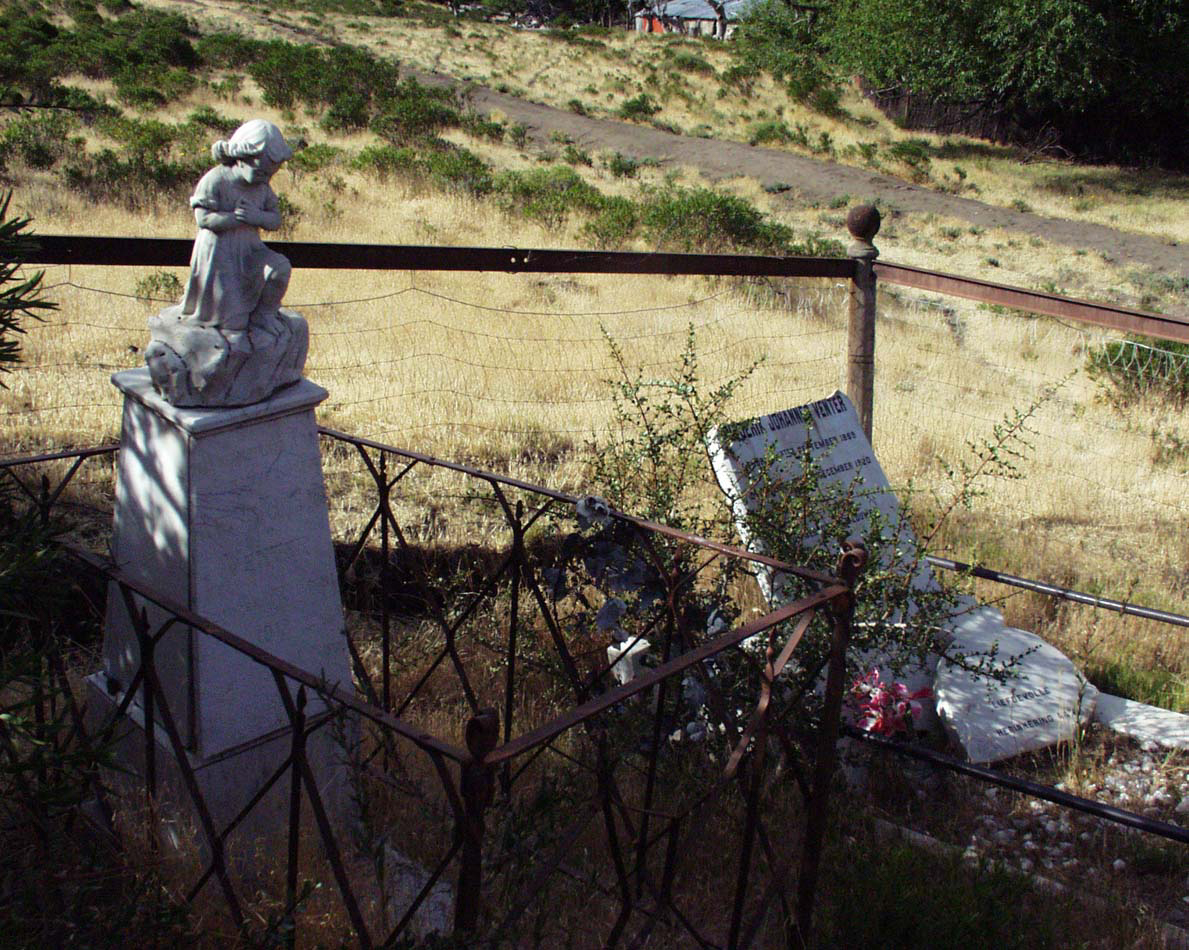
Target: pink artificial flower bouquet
pixel 887 709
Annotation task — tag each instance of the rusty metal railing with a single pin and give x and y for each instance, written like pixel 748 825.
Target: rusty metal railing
pixel 516 654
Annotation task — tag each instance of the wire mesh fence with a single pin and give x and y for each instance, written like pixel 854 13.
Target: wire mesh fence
pixel 514 372
pixel 1093 494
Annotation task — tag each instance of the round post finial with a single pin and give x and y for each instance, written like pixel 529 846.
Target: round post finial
pixel 863 224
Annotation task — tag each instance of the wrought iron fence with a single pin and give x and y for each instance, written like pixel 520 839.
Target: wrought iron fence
pixel 496 749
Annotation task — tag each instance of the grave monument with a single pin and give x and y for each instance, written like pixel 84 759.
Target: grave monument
pixel 1033 698
pixel 220 501
pixel 830 430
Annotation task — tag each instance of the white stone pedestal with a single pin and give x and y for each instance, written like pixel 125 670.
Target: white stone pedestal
pixel 224 511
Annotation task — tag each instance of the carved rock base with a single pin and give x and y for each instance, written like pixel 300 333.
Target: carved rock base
pixel 192 364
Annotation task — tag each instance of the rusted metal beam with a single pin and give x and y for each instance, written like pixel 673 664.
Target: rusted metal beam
pixel 175 252
pixel 1161 326
pixel 56 456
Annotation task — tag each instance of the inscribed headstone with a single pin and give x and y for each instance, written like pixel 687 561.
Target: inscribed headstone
pixel 1040 701
pixel 830 430
pixel 774 447
pixel 1038 704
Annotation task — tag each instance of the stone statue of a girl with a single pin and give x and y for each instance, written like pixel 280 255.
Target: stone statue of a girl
pixel 229 343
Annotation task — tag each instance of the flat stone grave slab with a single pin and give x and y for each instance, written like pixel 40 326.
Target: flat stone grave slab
pixel 1142 722
pixel 1042 700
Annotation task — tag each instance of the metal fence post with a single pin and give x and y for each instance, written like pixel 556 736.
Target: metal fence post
pixel 851 563
pixel 863 224
pixel 478 789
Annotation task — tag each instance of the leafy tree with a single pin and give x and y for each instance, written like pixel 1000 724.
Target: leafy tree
pixel 1074 66
pixel 783 39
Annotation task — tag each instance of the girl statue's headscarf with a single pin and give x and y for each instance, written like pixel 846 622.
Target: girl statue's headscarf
pixel 252 138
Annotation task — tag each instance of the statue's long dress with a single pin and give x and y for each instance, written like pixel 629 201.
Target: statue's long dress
pixel 227 268
pixel 215 348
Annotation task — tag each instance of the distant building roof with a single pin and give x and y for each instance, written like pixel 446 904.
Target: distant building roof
pixel 698 9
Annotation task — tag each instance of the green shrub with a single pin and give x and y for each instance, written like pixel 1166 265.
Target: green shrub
pixel 385 160
pixel 777 130
pixel 143 139
pixel 137 181
pixel 690 62
pixel 141 96
pixel 482 127
pixel 698 219
pixel 314 158
pixel 912 152
pixel 547 194
pixel 207 118
pixel 159 286
pixel 349 82
pixel 623 166
pixel 574 38
pixel 814 245
pixel 614 224
pixel 349 112
pixel 578 107
pixel 740 78
pixel 41 140
pixel 1139 367
pixel 456 169
pixel 415 112
pixel 573 155
pixel 518 134
pixel 228 50
pixel 640 108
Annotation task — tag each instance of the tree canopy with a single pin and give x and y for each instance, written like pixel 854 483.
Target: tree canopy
pixel 1109 76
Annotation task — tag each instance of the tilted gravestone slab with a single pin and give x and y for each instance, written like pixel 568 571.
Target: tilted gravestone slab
pixel 1041 701
pixel 831 432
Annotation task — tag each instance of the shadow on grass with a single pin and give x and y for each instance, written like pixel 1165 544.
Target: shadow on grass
pixel 889 894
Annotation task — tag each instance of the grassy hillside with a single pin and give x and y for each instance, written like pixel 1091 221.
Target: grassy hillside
pixel 512 372
pixel 701 88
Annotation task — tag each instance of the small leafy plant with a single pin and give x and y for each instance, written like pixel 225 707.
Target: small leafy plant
pixel 20 296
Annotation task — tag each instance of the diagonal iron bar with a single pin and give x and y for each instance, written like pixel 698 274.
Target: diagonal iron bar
pixel 650 678
pixel 329 842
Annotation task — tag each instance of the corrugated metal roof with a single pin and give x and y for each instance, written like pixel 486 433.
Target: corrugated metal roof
pixel 698 9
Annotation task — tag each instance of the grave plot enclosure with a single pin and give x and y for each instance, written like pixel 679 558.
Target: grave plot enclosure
pixel 507 784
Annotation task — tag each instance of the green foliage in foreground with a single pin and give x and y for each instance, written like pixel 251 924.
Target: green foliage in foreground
pixel 20 297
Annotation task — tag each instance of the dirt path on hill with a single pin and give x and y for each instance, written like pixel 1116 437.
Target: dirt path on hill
pixel 812 179
pixel 817 180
